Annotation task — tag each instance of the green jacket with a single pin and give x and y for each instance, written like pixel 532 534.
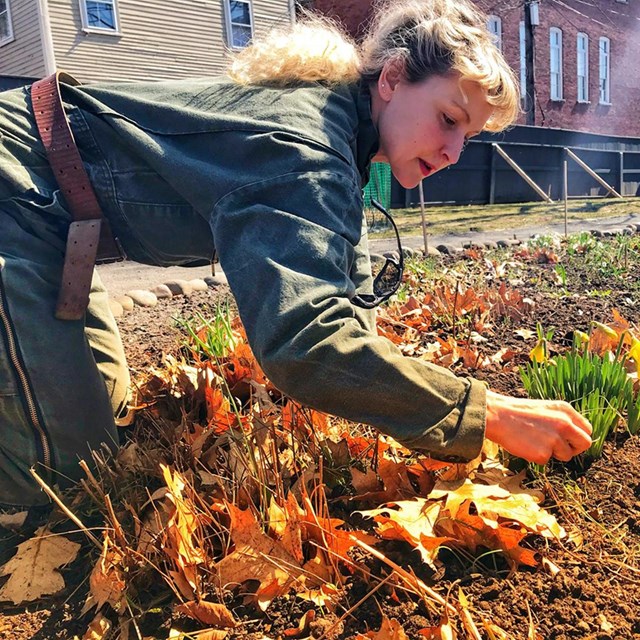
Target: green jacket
pixel 271 179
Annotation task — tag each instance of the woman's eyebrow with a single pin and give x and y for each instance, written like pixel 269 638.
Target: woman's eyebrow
pixel 462 108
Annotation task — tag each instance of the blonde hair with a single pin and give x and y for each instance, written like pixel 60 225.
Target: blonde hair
pixel 429 37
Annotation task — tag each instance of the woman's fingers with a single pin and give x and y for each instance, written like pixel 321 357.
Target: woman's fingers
pixel 537 430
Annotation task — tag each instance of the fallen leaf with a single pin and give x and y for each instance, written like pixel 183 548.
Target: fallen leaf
pixel 208 613
pixel 98 628
pixel 106 581
pixel 303 625
pixel 205 634
pixel 389 630
pixel 34 571
pixel 13 521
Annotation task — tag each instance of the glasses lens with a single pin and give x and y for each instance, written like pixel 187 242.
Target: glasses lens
pixel 388 279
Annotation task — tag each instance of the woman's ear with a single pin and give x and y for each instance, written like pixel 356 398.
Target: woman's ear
pixel 392 73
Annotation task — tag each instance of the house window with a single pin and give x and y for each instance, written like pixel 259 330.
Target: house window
pixel 494 24
pixel 604 49
pixel 555 63
pixel 6 30
pixel 582 48
pixel 99 15
pixel 239 22
pixel 523 62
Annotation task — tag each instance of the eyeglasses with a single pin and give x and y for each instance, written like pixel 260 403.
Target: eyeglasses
pixel 388 279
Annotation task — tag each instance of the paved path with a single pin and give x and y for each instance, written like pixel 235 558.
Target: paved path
pixel 124 276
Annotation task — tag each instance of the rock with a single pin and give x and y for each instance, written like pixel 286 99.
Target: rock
pixel 508 242
pixel 377 260
pixel 214 281
pixel 489 244
pixel 179 287
pixel 583 626
pixel 126 302
pixel 116 308
pixel 197 284
pixel 596 233
pixel 431 251
pixel 410 252
pixel 391 254
pixel 447 249
pixel 161 291
pixel 143 298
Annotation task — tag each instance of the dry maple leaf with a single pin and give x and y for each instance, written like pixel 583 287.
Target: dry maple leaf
pixel 412 521
pixel 107 580
pixel 389 630
pixel 473 531
pixel 256 556
pixel 33 571
pixel 98 628
pixel 204 634
pixel 284 523
pixel 303 625
pixel 211 613
pixel 502 497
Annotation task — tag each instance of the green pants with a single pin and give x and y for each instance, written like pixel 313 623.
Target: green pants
pixel 61 382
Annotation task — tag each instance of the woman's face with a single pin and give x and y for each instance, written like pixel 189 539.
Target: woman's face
pixel 423 126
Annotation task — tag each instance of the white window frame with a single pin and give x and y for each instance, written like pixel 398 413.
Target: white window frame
pixel 523 61
pixel 230 24
pixel 494 25
pixel 604 70
pixel 555 75
pixel 582 67
pixel 8 37
pixel 87 28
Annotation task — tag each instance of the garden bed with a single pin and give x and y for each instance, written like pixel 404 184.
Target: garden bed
pixel 589 584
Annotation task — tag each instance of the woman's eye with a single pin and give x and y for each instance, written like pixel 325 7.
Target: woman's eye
pixel 450 121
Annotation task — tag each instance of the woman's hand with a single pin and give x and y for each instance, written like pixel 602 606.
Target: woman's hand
pixel 536 430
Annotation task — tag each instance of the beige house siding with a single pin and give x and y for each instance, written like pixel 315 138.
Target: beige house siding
pixel 23 56
pixel 159 39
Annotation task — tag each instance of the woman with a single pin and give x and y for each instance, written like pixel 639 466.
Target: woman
pixel 266 169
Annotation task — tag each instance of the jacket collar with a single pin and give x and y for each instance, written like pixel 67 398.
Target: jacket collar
pixel 367 140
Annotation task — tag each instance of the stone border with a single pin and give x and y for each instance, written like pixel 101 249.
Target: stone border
pixel 173 288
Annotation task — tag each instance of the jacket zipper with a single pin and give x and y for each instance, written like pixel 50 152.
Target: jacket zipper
pixel 26 386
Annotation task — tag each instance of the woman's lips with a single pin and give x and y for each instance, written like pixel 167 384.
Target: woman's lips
pixel 425 168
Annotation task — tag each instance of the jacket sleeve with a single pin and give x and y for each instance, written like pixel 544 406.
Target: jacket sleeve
pixel 288 245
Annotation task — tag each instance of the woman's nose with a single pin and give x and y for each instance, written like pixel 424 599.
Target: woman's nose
pixel 452 150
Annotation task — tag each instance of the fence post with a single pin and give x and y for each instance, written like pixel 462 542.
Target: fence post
pixel 621 173
pixel 492 177
pixel 565 187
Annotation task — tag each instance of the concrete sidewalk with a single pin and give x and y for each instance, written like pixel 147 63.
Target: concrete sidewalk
pixel 521 233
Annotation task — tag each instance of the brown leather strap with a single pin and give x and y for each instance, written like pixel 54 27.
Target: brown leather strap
pixel 89 235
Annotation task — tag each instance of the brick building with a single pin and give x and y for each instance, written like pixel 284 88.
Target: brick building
pixel 585 57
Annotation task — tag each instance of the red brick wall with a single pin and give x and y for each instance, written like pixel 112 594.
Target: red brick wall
pixel 617 21
pixel 353 14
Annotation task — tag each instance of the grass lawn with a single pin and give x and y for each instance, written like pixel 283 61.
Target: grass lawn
pixel 485 217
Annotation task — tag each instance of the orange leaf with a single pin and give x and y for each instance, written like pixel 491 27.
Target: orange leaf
pixel 107 577
pixel 389 630
pixel 303 626
pixel 208 613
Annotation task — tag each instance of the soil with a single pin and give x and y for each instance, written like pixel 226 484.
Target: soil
pixel 594 596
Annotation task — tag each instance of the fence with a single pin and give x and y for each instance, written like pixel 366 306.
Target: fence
pixel 483 175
